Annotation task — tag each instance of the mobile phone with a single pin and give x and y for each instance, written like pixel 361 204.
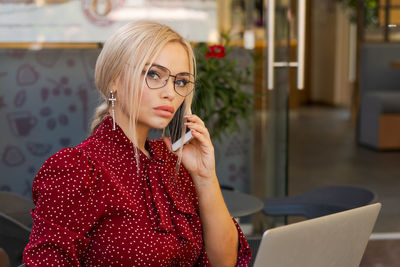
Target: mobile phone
pixel 175 130
pixel 182 141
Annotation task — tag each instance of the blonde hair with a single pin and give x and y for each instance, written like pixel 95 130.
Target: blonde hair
pixel 123 58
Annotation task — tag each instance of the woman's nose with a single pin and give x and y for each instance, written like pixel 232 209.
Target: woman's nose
pixel 169 88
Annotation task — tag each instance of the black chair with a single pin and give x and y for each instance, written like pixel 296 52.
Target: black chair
pixel 13 238
pixel 318 202
pixel 15 225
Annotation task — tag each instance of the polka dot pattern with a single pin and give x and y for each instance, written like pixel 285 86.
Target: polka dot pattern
pixel 95 206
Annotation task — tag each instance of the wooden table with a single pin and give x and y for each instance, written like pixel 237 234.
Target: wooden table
pixel 240 204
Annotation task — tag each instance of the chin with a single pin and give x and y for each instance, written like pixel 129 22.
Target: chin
pixel 160 125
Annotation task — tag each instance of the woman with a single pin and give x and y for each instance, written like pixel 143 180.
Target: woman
pixel 119 199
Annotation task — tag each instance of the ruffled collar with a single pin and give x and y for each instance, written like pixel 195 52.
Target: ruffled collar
pixel 160 177
pixel 117 136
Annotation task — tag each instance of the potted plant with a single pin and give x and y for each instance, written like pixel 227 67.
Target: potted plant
pixel 223 91
pixel 370 9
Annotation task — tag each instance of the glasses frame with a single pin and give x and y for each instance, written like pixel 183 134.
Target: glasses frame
pixel 170 75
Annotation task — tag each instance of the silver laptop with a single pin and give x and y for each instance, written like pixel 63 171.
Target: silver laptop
pixel 337 240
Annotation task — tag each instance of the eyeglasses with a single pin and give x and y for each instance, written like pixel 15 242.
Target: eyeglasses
pixel 158 76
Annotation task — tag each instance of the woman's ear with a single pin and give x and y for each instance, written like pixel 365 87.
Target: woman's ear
pixel 114 86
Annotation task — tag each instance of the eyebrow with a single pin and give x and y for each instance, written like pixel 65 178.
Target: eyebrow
pixel 157 65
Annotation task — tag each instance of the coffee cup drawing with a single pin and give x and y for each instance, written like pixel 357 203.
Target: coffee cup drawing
pixel 27 75
pixel 21 122
pixel 13 156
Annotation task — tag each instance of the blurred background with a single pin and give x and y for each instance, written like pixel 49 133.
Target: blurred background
pixel 324 77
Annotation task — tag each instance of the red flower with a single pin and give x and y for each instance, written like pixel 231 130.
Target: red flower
pixel 217 51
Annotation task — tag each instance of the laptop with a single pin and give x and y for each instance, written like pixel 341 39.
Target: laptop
pixel 337 240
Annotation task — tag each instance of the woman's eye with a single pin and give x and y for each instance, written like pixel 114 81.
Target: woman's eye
pixel 153 75
pixel 181 82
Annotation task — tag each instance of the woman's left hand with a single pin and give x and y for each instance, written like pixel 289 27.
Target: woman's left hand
pixel 198 155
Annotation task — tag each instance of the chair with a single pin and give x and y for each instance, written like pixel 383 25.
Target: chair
pixel 379 90
pixel 15 225
pixel 13 238
pixel 4 260
pixel 318 202
pixel 17 207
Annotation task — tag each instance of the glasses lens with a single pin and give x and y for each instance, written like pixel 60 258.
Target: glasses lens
pixel 157 77
pixel 184 83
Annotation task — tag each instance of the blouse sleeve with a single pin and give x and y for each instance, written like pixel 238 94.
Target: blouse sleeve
pixel 243 256
pixel 66 208
pixel 244 251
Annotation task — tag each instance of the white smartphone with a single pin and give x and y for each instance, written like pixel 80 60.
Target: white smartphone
pixel 175 132
pixel 182 141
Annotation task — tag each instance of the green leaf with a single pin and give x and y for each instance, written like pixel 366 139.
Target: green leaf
pixel 222 89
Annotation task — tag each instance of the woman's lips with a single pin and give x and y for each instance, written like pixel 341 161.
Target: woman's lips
pixel 164 111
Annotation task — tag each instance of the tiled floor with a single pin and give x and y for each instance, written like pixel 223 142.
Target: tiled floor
pixel 323 151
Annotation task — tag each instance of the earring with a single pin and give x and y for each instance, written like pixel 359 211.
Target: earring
pixel 112 99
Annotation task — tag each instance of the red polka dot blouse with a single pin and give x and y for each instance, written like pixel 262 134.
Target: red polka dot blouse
pixel 95 206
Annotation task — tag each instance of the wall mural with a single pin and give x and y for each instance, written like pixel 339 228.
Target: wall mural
pixel 47 98
pixel 46 101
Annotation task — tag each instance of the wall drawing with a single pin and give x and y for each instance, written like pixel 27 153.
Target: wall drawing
pixel 47 99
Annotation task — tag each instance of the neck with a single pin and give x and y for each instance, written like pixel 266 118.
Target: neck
pixel 122 119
